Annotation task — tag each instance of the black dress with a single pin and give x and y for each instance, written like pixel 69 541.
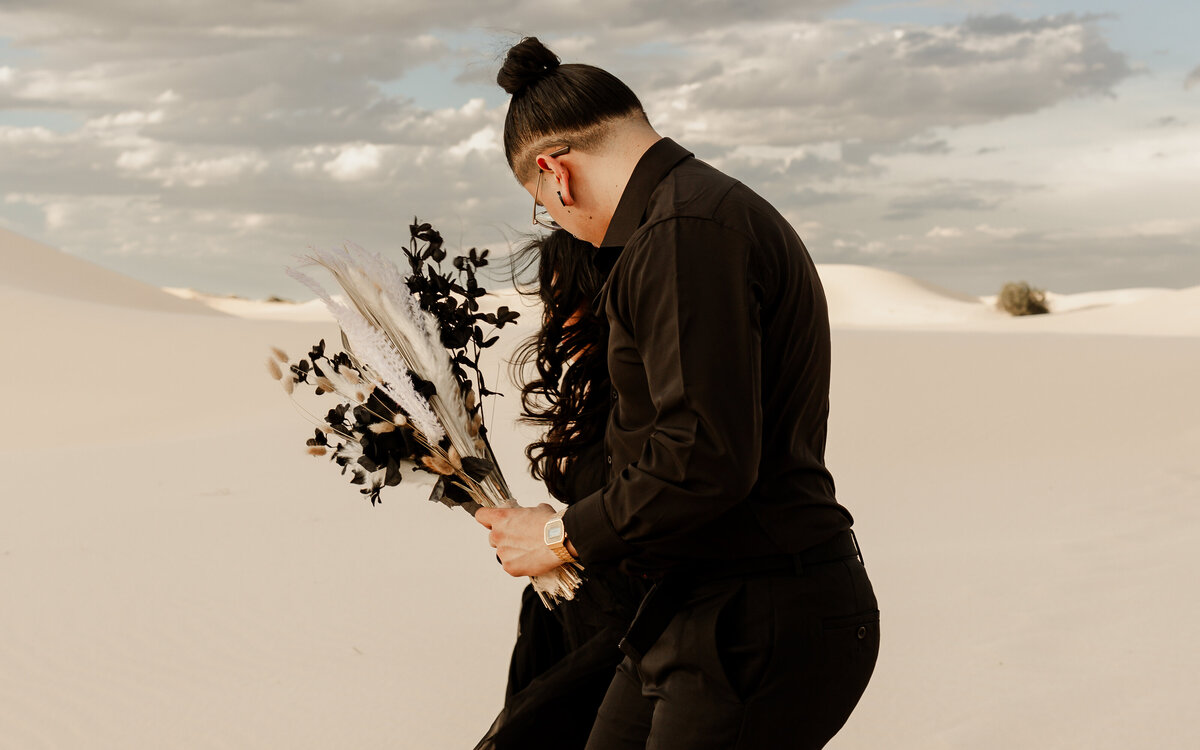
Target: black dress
pixel 565 658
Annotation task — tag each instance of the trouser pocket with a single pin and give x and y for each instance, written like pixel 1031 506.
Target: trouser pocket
pixel 852 640
pixel 744 636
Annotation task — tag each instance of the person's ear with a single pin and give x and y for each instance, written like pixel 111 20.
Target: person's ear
pixel 562 177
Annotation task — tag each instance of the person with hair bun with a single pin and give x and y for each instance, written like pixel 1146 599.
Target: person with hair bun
pixel 762 627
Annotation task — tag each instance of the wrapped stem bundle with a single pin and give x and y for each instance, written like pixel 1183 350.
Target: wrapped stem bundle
pixel 405 380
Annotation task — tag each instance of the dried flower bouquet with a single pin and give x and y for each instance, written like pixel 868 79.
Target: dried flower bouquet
pixel 406 383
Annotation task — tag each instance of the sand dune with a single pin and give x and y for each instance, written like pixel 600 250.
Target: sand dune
pixel 30 266
pixel 310 311
pixel 863 298
pixel 175 572
pixel 1167 312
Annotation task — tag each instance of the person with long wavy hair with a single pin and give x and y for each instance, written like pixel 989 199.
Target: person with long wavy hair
pixel 564 659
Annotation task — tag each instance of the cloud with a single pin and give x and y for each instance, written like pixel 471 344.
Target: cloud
pixel 1006 233
pixel 248 131
pixel 952 195
pixel 797 82
pixel 354 162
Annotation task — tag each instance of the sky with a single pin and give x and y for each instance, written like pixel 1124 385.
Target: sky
pixel 964 142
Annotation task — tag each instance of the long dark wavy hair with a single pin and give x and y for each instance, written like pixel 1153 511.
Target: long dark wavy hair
pixel 569 394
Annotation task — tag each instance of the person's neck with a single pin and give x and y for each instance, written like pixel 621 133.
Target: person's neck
pixel 624 151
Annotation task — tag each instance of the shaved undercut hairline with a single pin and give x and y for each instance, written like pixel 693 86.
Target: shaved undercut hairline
pixel 593 139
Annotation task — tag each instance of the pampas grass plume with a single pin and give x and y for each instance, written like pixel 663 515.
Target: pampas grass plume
pixel 455 459
pixel 289 385
pixel 273 369
pixel 326 384
pixel 380 428
pixel 316 450
pixel 280 354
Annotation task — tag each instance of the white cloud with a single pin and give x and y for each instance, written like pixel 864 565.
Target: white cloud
pixel 211 171
pixel 137 160
pixel 485 140
pixel 354 162
pixel 24 136
pixel 131 120
pixel 1006 233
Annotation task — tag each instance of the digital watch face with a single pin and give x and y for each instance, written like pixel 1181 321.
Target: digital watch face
pixel 554 532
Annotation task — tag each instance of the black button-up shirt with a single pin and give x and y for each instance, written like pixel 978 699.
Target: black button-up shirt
pixel 719 356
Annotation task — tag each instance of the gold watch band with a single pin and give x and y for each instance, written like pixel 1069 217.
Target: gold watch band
pixel 563 553
pixel 559 546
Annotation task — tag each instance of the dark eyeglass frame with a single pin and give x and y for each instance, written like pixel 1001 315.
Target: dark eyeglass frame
pixel 540 221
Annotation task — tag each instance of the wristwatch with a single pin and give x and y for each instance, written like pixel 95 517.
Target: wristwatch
pixel 555 536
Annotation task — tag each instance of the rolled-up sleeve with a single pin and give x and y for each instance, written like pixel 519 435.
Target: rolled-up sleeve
pixel 684 299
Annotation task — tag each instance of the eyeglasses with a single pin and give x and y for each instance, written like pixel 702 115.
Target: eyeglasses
pixel 543 219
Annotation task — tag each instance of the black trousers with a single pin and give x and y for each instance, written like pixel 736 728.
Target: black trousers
pixel 760 661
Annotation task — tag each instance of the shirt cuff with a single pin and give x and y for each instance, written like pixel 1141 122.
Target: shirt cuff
pixel 592 533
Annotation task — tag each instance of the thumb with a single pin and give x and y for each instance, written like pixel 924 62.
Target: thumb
pixel 485 516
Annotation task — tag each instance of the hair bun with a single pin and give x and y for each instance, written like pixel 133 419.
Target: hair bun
pixel 528 61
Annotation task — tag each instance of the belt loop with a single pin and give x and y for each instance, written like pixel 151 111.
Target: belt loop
pixel 857 549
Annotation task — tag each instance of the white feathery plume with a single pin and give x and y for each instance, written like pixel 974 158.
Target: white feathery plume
pixel 393 285
pixel 435 361
pixel 412 331
pixel 370 345
pixel 388 366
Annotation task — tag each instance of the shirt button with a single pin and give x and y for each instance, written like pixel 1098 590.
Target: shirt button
pixel 608 459
pixel 614 394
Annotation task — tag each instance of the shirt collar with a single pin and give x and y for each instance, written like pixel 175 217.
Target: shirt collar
pixel 654 165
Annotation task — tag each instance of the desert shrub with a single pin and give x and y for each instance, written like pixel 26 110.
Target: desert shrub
pixel 1018 298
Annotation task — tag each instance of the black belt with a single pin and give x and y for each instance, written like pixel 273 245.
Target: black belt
pixel 668 595
pixel 842 546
